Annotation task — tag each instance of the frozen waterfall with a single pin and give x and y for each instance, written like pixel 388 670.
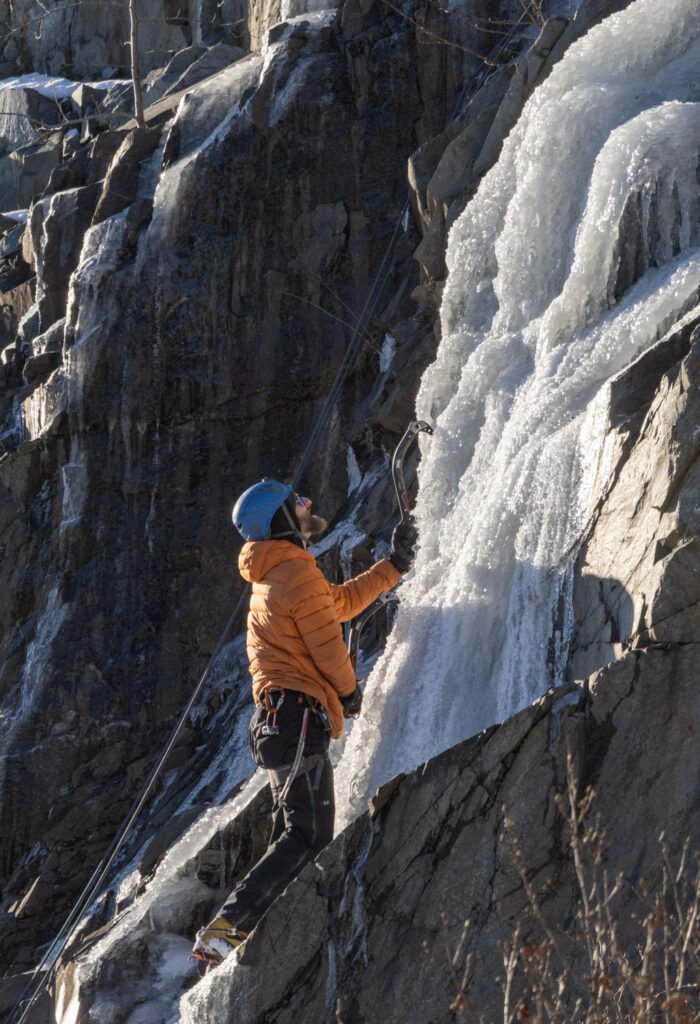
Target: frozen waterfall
pixel 577 253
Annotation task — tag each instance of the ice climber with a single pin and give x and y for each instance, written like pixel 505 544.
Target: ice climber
pixel 303 687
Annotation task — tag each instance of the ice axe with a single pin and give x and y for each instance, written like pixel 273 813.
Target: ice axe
pixel 413 430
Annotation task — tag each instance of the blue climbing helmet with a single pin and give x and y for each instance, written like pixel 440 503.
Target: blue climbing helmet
pixel 253 512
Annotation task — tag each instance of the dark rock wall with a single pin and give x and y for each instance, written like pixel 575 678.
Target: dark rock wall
pixel 350 934
pixel 193 360
pixel 347 937
pixel 176 352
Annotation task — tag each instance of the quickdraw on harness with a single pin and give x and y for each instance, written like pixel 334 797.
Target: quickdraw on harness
pixel 272 704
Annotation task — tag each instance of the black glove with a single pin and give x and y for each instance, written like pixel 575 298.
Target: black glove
pixel 403 541
pixel 352 703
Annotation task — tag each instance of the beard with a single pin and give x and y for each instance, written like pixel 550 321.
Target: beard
pixel 310 525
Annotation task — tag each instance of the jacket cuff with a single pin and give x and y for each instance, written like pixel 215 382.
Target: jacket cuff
pixel 343 696
pixel 390 571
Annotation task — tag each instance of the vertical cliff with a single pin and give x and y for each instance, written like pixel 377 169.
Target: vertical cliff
pixel 174 312
pixel 179 301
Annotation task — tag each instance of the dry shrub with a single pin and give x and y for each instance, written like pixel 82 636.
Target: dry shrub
pixel 627 955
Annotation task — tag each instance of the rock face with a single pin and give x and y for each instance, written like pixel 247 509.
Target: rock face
pixel 195 302
pixel 89 40
pixel 348 936
pixel 172 316
pixel 649 512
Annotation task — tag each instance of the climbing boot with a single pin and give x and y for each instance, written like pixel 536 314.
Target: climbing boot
pixel 214 943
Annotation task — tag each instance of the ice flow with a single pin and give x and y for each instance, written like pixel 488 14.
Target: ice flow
pixel 578 251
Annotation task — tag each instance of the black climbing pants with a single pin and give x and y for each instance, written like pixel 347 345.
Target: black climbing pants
pixel 302 817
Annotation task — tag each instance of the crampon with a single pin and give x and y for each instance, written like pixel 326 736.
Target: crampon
pixel 214 943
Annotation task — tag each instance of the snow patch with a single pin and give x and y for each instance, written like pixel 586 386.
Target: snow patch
pixel 51 86
pixel 387 353
pixel 294 10
pixel 354 472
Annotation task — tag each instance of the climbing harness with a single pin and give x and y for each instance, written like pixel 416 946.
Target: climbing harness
pixel 285 774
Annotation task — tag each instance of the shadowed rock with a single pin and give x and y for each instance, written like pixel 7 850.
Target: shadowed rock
pixel 349 935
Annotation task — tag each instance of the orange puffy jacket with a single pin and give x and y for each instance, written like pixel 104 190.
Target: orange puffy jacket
pixel 294 635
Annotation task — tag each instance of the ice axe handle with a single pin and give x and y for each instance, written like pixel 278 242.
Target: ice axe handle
pixel 414 428
pixel 412 431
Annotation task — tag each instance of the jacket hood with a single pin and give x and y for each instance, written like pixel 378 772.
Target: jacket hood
pixel 258 557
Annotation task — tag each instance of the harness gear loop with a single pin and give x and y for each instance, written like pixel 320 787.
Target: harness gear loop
pixel 318 709
pixel 272 706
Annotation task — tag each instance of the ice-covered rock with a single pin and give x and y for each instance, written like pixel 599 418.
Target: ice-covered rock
pixel 374 930
pixel 56 227
pixel 121 184
pixel 196 346
pixel 539 313
pixel 207 312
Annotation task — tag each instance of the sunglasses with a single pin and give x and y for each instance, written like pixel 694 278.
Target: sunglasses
pixel 304 502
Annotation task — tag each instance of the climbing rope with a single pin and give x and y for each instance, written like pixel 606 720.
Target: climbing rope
pixel 506 46
pixel 352 350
